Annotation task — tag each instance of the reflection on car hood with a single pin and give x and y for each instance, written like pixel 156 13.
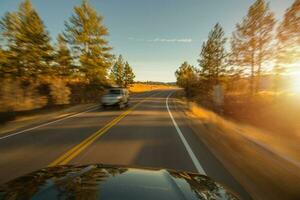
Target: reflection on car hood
pixel 111 182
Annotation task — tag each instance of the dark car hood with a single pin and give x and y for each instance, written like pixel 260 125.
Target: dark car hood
pixel 110 182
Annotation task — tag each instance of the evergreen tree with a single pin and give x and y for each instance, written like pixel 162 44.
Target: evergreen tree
pixel 63 58
pixel 117 71
pixel 128 75
pixel 29 51
pixel 252 40
pixel 8 27
pixel 187 78
pixel 212 60
pixel 3 62
pixel 86 33
pixel 111 76
pixel 288 35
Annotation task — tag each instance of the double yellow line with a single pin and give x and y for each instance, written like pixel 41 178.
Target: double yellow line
pixel 72 153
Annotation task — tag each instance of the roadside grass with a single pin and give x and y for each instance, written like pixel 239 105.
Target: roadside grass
pixel 139 87
pixel 266 166
pixel 277 119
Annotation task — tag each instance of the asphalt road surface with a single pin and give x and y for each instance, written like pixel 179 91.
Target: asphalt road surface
pixel 150 133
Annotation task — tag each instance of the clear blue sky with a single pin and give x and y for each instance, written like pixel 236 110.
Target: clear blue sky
pixel 155 36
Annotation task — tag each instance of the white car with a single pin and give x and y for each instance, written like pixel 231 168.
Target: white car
pixel 115 97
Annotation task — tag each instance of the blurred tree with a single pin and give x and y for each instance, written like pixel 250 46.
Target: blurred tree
pixel 212 59
pixel 117 71
pixel 63 58
pixel 187 78
pixel 28 44
pixel 252 41
pixel 3 62
pixel 8 27
pixel 85 33
pixel 288 35
pixel 59 91
pixel 111 76
pixel 128 75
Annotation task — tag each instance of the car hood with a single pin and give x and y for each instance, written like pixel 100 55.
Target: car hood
pixel 112 182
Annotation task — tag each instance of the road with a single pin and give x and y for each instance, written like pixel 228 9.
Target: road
pixel 151 133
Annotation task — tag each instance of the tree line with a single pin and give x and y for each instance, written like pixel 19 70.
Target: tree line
pixel 257 43
pixel 34 70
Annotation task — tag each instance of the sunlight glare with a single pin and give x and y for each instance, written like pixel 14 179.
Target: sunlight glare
pixel 295 83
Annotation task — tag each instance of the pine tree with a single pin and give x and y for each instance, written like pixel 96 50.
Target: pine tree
pixel 111 77
pixel 288 41
pixel 128 75
pixel 63 58
pixel 3 62
pixel 86 33
pixel 252 40
pixel 288 35
pixel 187 78
pixel 212 59
pixel 117 71
pixel 8 27
pixel 29 51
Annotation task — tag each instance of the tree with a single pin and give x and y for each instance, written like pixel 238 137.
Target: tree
pixel 121 73
pixel 187 78
pixel 3 62
pixel 252 40
pixel 288 35
pixel 117 71
pixel 128 75
pixel 212 57
pixel 63 58
pixel 8 27
pixel 29 51
pixel 86 33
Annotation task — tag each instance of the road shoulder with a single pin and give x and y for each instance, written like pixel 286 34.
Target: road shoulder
pixel 263 175
pixel 210 161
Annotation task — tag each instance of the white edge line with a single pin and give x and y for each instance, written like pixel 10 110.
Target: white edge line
pixel 48 123
pixel 186 145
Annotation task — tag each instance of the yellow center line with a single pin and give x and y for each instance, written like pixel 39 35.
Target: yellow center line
pixel 73 152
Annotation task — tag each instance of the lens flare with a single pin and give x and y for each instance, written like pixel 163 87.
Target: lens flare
pixel 295 83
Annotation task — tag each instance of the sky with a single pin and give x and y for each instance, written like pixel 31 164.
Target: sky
pixel 154 36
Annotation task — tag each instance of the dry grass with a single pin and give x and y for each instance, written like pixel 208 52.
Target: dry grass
pixel 266 166
pixel 139 87
pixel 278 119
